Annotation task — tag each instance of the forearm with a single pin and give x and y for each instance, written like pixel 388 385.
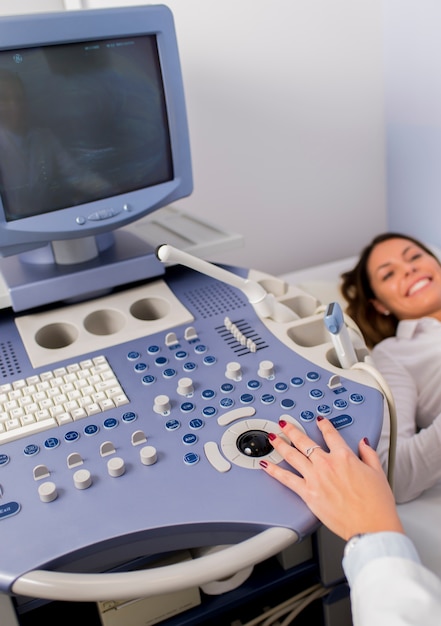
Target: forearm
pixel 389 586
pixel 417 460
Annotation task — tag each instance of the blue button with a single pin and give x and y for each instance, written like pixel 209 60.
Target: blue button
pixel 313 376
pixel 160 361
pixel 226 403
pixel 140 367
pixel 254 384
pixel 133 355
pixel 129 416
pixel 227 388
pixel 340 404
pixel 341 421
pixel 316 394
pixel 287 403
pixel 189 439
pixel 323 409
pixel 4 459
pixel 153 349
pixel 169 372
pixel 189 366
pixel 280 387
pixel 246 398
pixel 90 429
pixel 296 381
pixel 110 422
pixel 31 449
pixel 51 443
pixel 180 354
pixel 307 416
pixel 209 360
pixel 207 394
pixel 187 407
pixel 200 348
pixel 148 379
pixel 267 398
pixel 356 398
pixel 72 435
pixel 8 509
pixel 196 423
pixel 209 411
pixel 191 458
pixel 172 424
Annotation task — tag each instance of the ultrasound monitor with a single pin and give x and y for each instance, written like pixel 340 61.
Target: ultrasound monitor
pixel 93 136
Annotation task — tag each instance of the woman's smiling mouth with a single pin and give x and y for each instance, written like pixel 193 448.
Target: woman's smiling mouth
pixel 420 284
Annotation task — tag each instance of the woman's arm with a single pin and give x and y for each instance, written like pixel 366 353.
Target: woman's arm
pixel 389 586
pixel 418 460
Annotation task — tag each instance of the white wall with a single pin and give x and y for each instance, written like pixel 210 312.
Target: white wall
pixel 12 7
pixel 413 116
pixel 285 106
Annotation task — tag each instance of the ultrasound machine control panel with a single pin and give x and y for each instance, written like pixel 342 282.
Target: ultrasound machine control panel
pixel 134 424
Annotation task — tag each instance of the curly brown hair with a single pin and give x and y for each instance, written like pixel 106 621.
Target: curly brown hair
pixel 357 291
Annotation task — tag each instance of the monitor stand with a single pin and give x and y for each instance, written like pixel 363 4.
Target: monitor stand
pixel 32 280
pixel 38 278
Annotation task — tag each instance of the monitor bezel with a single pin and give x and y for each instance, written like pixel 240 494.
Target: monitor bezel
pixel 46 29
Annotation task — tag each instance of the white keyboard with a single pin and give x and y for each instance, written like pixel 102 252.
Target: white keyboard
pixel 56 397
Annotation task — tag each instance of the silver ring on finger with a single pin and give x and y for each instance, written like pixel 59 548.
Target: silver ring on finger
pixel 310 450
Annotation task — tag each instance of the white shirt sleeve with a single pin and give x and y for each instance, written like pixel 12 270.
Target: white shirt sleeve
pixel 389 585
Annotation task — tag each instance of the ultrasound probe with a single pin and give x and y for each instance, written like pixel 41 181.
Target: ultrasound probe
pixel 264 303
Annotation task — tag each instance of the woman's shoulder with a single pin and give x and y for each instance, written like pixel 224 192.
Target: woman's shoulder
pixel 385 345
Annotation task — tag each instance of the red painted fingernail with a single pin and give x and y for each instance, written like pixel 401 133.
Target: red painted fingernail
pixel 282 423
pixel 263 464
pixel 366 441
pixel 271 436
pixel 319 418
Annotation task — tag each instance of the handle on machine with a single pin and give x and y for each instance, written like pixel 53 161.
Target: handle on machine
pixel 151 582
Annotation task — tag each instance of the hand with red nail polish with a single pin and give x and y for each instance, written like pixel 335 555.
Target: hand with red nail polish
pixel 350 495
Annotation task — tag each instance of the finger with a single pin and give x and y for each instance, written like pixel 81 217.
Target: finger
pixel 290 454
pixel 369 455
pixel 283 476
pixel 330 434
pixel 300 440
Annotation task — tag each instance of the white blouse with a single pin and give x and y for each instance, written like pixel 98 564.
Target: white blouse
pixel 411 364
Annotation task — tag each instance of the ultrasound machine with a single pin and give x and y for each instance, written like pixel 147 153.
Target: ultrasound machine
pixel 138 382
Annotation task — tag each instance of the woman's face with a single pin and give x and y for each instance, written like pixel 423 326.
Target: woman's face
pixel 405 280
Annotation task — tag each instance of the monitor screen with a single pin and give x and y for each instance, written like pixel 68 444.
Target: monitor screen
pixel 93 129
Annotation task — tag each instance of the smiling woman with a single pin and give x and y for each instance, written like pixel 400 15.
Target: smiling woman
pixel 394 295
pixel 405 279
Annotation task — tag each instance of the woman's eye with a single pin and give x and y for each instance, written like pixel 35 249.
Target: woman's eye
pixel 387 276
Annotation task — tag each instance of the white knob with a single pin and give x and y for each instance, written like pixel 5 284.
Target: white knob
pixel 82 479
pixel 74 459
pixel 185 387
pixel 116 466
pixel 190 333
pixel 41 471
pixel 161 405
pixel 171 339
pixel 47 491
pixel 233 371
pixel 138 437
pixel 107 448
pixel 266 369
pixel 148 455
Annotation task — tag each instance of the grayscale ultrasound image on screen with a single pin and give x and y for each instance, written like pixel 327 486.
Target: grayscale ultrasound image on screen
pixel 80 122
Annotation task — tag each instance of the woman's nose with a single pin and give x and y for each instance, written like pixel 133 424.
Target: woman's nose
pixel 410 268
